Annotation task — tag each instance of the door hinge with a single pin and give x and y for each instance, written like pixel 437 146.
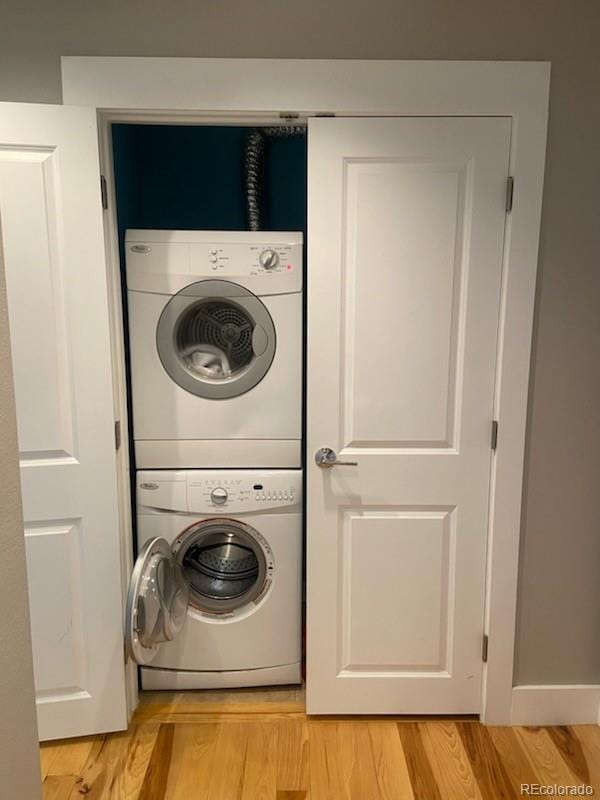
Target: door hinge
pixel 325 114
pixel 510 189
pixel 288 115
pixel 103 192
pixel 484 648
pixel 494 442
pixel 117 434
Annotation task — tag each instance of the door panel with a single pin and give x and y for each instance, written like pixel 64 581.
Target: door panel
pixel 386 360
pixel 395 561
pixel 407 223
pixel 57 297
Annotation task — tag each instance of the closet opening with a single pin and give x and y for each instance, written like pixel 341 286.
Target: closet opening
pixel 211 224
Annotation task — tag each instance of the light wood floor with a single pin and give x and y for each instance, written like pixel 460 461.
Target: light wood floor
pixel 257 745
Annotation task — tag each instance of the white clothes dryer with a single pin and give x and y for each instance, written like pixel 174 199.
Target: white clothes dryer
pixel 215 333
pixel 215 597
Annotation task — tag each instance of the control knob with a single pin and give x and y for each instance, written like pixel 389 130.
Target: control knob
pixel 268 259
pixel 219 496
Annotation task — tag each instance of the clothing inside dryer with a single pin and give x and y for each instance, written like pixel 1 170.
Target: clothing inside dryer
pixel 214 338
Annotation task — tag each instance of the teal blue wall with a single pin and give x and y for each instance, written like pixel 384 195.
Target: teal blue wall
pixel 186 177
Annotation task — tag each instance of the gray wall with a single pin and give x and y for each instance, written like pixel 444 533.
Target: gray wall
pixel 19 753
pixel 559 604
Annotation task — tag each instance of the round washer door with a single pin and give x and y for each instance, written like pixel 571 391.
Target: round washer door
pixel 226 563
pixel 216 339
pixel 157 601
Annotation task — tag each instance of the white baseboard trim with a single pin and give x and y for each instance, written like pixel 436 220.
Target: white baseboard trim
pixel 556 705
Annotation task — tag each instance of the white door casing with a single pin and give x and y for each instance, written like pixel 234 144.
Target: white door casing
pixel 406 222
pixel 124 89
pixel 58 311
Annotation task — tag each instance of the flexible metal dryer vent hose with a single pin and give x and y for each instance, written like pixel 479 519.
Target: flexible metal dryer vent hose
pixel 253 166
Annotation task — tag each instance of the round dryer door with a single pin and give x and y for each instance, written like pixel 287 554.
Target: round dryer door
pixel 157 601
pixel 226 563
pixel 216 339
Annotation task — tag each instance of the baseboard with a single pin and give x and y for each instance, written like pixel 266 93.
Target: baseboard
pixel 555 705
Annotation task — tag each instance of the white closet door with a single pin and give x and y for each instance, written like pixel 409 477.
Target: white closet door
pixel 51 218
pixel 406 223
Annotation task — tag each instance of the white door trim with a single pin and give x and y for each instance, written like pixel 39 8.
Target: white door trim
pixel 194 90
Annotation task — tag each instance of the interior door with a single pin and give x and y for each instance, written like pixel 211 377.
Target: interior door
pixel 57 295
pixel 406 220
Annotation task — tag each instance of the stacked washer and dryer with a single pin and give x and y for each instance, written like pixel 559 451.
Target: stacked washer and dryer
pixel 215 333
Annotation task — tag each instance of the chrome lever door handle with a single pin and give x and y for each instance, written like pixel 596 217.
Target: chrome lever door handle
pixel 326 458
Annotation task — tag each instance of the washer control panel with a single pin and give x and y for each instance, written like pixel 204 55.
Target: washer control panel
pixel 224 492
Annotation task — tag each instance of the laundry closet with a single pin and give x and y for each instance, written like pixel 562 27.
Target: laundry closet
pixel 273 304
pixel 211 227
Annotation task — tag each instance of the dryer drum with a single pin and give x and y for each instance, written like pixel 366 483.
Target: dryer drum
pixel 216 339
pixel 225 328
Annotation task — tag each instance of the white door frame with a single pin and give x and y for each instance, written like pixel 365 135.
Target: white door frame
pixel 192 91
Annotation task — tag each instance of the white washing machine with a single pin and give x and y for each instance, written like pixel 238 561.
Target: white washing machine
pixel 215 327
pixel 215 595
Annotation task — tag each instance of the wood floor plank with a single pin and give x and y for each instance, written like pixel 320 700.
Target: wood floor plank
pixel 137 752
pixel 102 768
pixel 259 780
pixel 48 752
pixel 358 764
pixel 192 761
pixel 545 757
pixel 391 770
pixel 589 737
pixel 70 756
pixel 228 765
pixel 420 772
pixel 588 734
pixel 327 778
pixel 518 767
pixel 449 761
pixel 490 774
pixel 58 787
pixel 293 756
pixel 243 713
pixel 154 785
pixel 358 761
pixel 569 747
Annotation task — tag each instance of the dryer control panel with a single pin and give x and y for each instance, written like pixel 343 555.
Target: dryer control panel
pixel 224 492
pixel 266 262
